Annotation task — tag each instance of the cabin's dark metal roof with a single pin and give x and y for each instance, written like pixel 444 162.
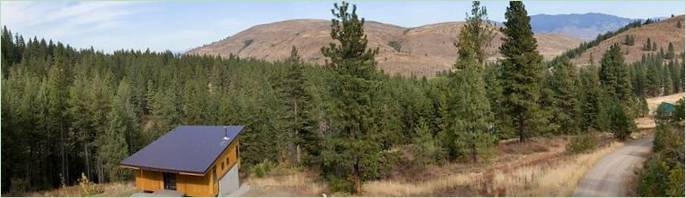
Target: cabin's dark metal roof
pixel 666 107
pixel 185 149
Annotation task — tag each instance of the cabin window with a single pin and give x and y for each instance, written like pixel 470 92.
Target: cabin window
pixel 223 165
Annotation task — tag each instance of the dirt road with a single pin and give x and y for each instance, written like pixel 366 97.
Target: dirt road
pixel 610 175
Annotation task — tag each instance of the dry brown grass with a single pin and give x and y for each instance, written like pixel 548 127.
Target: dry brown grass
pixel 555 178
pixel 116 189
pixel 286 182
pixel 662 33
pixel 544 170
pixel 655 101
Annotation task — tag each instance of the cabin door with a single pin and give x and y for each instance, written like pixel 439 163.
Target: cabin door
pixel 169 181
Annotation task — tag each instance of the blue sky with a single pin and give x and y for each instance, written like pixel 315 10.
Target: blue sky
pixel 182 25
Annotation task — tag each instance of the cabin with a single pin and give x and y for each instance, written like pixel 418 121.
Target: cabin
pixel 189 160
pixel 666 109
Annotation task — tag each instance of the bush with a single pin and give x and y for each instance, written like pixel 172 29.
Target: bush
pixel 426 149
pixel 621 124
pixel 582 143
pixel 263 168
pixel 663 172
pixel 340 185
pixel 19 185
pixel 395 45
pixel 87 188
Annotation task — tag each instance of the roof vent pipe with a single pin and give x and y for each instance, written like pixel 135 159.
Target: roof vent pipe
pixel 226 133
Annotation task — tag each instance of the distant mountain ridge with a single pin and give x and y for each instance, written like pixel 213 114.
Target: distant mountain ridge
pixel 584 26
pixel 661 33
pixel 421 51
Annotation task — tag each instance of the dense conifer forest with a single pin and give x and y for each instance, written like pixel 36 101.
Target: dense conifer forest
pixel 68 111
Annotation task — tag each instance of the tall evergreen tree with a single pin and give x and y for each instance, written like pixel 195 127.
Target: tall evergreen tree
pixel 469 105
pixel 480 32
pixel 648 45
pixel 670 51
pixel 621 124
pixel 351 144
pixel 565 96
pixel 299 102
pixel 591 98
pixel 56 116
pixel 614 74
pixel 113 145
pixel 652 80
pixel 522 71
pixel 667 84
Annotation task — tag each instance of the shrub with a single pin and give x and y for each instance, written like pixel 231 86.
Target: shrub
pixel 582 143
pixel 621 124
pixel 663 172
pixel 87 187
pixel 247 43
pixel 678 115
pixel 340 185
pixel 426 149
pixel 395 45
pixel 19 185
pixel 263 168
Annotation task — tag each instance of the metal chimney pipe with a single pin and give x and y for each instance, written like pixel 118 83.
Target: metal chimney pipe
pixel 226 133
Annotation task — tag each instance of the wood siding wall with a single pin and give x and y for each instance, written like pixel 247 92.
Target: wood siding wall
pixel 207 185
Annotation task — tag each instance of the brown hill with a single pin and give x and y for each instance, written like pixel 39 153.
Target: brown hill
pixel 662 33
pixel 421 50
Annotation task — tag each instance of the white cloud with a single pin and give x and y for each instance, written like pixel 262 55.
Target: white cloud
pixel 58 19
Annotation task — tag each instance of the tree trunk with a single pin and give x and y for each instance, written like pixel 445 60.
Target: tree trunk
pixel 522 130
pixel 356 178
pixel 63 158
pixel 297 135
pixel 88 167
pixel 474 156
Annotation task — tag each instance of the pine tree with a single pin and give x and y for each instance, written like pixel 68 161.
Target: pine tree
pixel 675 70
pixel 480 32
pixel 652 80
pixel 469 105
pixel 666 81
pixel 56 116
pixel 99 105
pixel 614 76
pixel 194 104
pixel 647 46
pixel 628 40
pixel 590 97
pixel 7 51
pixel 165 114
pixel 124 99
pixel 299 102
pixel 112 144
pixel 565 100
pixel 352 145
pixel 425 147
pixel 670 51
pixel 522 71
pixel 621 124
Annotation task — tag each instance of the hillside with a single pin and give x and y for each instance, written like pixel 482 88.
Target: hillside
pixel 585 26
pixel 422 50
pixel 662 33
